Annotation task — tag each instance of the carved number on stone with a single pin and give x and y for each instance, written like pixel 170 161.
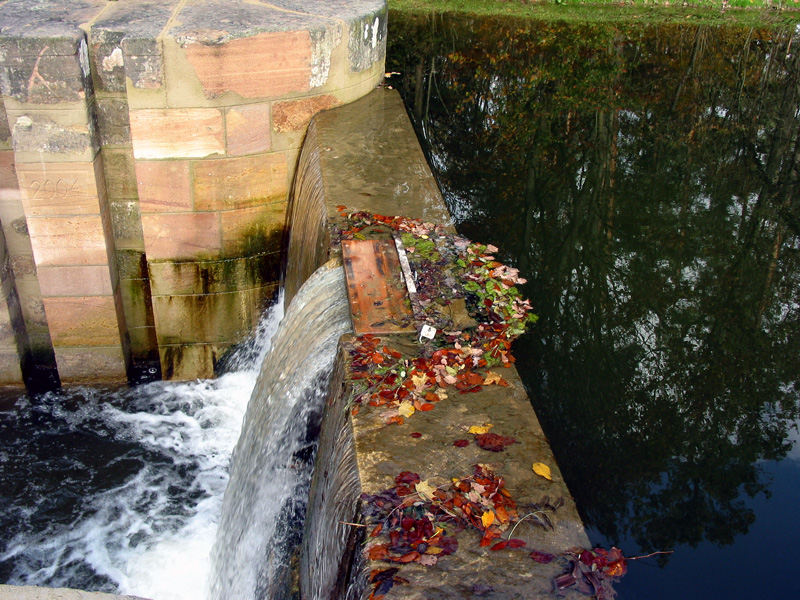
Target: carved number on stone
pixel 52 190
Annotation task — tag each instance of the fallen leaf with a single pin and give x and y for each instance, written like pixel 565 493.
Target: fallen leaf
pixel 542 557
pixel 425 490
pixel 487 518
pixel 419 381
pixel 406 408
pixel 461 443
pixel 492 377
pixel 427 560
pixel 515 543
pixel 416 435
pixel 494 442
pixel 542 470
pixel 379 552
pixel 479 429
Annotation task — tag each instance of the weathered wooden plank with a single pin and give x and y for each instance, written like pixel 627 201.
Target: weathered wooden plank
pixel 375 287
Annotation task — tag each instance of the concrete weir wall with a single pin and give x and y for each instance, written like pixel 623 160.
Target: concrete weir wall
pixel 146 152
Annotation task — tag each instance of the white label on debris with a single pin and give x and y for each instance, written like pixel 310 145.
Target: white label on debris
pixel 427 332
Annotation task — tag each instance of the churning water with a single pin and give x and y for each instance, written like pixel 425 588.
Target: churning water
pixel 120 489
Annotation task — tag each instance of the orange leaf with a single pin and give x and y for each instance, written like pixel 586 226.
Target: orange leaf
pixel 502 515
pixel 380 552
pixel 487 518
pixel 425 407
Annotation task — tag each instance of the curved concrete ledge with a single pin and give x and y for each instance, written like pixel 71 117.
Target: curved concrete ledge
pixel 366 156
pixel 29 592
pixel 146 151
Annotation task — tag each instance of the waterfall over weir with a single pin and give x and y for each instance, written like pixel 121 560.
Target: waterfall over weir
pixel 261 522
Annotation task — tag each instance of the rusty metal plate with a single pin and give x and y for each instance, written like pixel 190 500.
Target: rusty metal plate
pixel 375 287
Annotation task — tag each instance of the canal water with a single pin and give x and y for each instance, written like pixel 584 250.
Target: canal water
pixel 645 180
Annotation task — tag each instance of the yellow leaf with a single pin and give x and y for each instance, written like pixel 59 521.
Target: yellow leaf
pixel 419 381
pixel 425 490
pixel 487 518
pixel 433 550
pixel 406 408
pixel 542 470
pixel 491 378
pixel 479 429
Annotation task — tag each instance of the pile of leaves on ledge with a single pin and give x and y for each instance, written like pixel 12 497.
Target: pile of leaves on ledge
pixel 420 519
pixel 416 521
pixel 448 270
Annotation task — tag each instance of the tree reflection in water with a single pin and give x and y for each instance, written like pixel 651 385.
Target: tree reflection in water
pixel 646 182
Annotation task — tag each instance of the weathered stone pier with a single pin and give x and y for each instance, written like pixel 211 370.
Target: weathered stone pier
pixel 146 152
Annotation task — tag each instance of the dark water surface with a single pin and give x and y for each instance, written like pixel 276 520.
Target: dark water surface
pixel 645 179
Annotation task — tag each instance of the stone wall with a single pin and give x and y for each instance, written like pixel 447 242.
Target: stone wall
pixel 146 152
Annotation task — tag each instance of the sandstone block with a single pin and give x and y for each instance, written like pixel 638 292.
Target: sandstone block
pixel 33 72
pixel 247 129
pixel 183 362
pixel 22 265
pixel 248 231
pixel 50 189
pixel 163 186
pixel 53 134
pixel 82 320
pixel 131 264
pixel 181 236
pixel 177 132
pixel 126 221
pixel 295 115
pixel 76 240
pixel 90 364
pixel 240 182
pixel 9 187
pixel 203 318
pixel 265 65
pixel 89 280
pixel 211 277
pixel 136 303
pixel 10 371
pixel 144 345
pixel 112 121
pixel 120 173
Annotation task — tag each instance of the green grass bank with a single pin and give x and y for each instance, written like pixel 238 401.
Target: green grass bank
pixel 753 12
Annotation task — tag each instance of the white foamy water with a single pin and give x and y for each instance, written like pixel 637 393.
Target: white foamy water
pixel 265 504
pixel 151 533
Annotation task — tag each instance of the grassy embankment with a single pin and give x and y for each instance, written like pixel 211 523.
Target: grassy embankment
pixel 752 12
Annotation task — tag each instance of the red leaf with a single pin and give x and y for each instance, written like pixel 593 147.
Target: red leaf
pixel 499 545
pixel 542 557
pixel 407 477
pixel 426 406
pixel 377 530
pixel 416 435
pixel 461 443
pixel 515 543
pixel 377 358
pixel 493 442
